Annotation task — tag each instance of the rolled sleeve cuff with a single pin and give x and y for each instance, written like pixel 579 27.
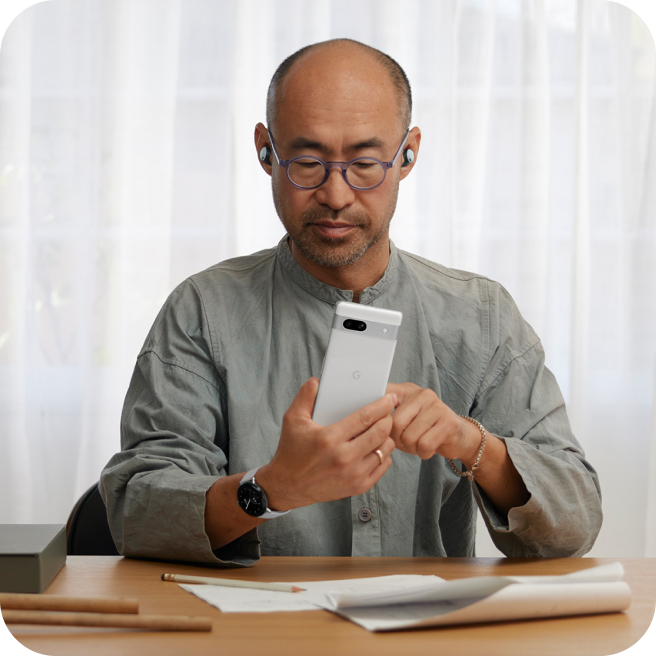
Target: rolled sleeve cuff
pixel 546 525
pixel 242 552
pixel 499 521
pixel 167 521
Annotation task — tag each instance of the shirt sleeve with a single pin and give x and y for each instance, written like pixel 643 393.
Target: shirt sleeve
pixel 519 401
pixel 174 441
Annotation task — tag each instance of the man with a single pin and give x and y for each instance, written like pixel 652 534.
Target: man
pixel 215 392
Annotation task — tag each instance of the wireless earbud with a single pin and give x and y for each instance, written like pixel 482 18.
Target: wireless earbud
pixel 265 155
pixel 408 157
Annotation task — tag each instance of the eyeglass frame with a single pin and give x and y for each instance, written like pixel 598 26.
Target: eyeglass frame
pixel 285 163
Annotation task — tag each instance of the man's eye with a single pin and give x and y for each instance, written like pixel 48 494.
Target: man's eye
pixel 364 165
pixel 308 164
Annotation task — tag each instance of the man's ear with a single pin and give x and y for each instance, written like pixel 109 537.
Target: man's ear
pixel 412 143
pixel 263 147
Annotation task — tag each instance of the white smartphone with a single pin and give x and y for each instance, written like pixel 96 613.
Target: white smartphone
pixel 358 360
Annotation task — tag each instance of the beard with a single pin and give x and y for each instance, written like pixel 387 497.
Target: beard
pixel 335 252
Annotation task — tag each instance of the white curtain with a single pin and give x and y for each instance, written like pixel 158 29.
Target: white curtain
pixel 127 163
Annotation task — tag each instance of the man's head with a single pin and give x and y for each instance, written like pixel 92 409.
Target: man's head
pixel 337 100
pixel 396 74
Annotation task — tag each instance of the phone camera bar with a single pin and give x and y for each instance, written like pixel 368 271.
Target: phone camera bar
pixel 352 324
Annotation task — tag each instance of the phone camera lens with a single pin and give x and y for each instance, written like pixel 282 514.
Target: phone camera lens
pixel 352 324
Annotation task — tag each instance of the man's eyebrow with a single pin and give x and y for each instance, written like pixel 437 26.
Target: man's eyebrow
pixel 374 142
pixel 303 143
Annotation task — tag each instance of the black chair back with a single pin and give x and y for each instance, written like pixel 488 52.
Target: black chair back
pixel 87 530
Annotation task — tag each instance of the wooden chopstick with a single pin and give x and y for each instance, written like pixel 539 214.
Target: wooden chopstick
pixel 9 601
pixel 121 621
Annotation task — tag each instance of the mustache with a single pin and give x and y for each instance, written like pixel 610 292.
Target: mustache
pixel 316 214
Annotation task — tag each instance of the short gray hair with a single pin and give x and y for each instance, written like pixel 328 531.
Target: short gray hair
pixel 397 75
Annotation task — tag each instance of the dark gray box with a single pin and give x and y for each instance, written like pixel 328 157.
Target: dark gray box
pixel 31 555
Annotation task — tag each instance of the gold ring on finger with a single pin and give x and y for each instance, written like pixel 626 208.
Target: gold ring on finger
pixel 379 453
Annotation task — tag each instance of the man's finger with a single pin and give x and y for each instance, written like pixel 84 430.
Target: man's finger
pixel 361 420
pixel 419 411
pixel 378 470
pixel 372 438
pixel 303 403
pixel 411 426
pixel 403 416
pixel 386 449
pixel 400 389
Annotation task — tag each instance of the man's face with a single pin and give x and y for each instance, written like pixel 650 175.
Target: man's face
pixel 337 107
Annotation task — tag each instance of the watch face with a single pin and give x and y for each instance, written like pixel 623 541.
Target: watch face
pixel 252 499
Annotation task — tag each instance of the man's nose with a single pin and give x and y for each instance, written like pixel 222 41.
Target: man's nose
pixel 335 192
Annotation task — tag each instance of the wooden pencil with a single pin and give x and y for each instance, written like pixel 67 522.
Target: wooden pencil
pixel 232 583
pixel 107 620
pixel 13 601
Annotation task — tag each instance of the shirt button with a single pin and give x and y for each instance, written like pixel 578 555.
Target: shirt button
pixel 364 514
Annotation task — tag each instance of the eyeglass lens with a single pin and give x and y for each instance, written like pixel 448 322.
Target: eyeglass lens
pixel 309 172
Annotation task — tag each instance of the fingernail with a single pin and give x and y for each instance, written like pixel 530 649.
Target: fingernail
pixel 395 398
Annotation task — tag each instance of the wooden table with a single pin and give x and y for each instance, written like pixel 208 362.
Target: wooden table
pixel 320 632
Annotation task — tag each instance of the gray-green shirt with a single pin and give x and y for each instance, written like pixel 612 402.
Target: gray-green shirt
pixel 227 355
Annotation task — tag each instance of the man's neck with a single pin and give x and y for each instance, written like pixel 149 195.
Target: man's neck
pixel 363 273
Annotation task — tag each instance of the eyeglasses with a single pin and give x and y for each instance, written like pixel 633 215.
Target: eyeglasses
pixel 361 173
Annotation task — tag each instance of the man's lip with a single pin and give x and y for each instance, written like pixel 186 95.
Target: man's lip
pixel 333 224
pixel 332 229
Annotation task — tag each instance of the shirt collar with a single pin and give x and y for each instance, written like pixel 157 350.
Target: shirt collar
pixel 326 292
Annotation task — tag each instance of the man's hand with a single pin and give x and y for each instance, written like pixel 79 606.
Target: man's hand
pixel 424 426
pixel 312 463
pixel 316 463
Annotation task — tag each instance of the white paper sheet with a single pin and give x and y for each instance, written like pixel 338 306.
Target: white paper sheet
pixel 515 602
pixel 388 603
pixel 248 600
pixel 489 599
pixel 471 588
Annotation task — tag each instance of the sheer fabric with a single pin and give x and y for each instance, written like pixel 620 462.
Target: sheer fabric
pixel 127 163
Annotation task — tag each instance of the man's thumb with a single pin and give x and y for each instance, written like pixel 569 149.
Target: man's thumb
pixel 304 401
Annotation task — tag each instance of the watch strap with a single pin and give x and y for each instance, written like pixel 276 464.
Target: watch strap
pixel 267 514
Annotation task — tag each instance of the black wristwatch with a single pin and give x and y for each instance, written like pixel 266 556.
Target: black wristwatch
pixel 252 498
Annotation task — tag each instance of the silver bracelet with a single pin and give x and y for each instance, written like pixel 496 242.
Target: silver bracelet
pixel 470 473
